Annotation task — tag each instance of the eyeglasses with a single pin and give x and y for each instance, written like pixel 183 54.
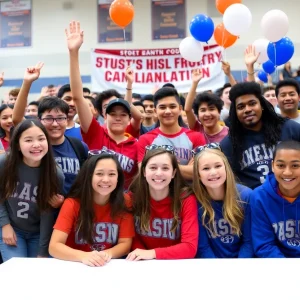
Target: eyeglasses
pixel 168 148
pixel 58 120
pixel 199 149
pixel 102 151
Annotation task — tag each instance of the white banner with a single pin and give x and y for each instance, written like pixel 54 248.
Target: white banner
pixel 154 67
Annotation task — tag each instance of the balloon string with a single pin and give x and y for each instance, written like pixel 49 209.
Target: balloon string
pixel 125 43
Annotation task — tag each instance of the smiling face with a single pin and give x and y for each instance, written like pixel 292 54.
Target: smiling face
pixel 288 99
pixel 105 177
pixel 117 119
pixel 6 120
pixel 168 111
pixel 159 172
pixel 208 115
pixel 286 168
pixel 33 145
pixel 68 98
pixel 212 172
pixel 249 112
pixel 271 97
pixel 56 129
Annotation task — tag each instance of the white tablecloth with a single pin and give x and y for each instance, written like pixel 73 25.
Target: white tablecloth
pixel 255 279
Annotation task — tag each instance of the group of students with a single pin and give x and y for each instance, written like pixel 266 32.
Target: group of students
pixel 171 194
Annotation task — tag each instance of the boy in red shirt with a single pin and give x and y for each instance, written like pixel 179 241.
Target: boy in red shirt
pixel 117 116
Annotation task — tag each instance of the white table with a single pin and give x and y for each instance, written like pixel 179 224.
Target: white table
pixel 255 279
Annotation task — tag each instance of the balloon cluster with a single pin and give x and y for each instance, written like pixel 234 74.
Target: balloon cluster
pixel 237 19
pixel 275 49
pixel 121 12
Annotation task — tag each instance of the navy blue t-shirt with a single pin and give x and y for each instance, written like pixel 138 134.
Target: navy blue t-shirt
pixel 257 159
pixel 66 158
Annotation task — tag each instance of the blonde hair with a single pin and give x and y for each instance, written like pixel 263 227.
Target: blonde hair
pixel 232 209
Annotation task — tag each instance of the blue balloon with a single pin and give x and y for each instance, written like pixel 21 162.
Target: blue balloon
pixel 268 67
pixel 281 52
pixel 202 28
pixel 263 76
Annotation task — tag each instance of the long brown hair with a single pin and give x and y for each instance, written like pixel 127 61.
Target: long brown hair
pixel 48 183
pixel 141 195
pixel 82 190
pixel 232 209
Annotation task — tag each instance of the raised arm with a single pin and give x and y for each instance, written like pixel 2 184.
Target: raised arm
pixel 136 116
pixel 196 77
pixel 251 57
pixel 227 71
pixel 31 74
pixel 74 40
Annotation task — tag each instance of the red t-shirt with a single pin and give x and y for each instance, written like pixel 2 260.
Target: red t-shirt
pixel 180 244
pixel 184 142
pixel 97 137
pixel 5 143
pixel 107 231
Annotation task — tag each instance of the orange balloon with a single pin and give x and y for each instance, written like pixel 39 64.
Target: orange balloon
pixel 223 37
pixel 222 5
pixel 121 12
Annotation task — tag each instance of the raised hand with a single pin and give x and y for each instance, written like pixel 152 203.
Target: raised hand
pixel 129 74
pixel 74 36
pixel 250 56
pixel 226 68
pixel 33 73
pixel 1 78
pixel 197 75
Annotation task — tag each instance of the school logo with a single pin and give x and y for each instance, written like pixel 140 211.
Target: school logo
pixel 227 239
pixel 293 242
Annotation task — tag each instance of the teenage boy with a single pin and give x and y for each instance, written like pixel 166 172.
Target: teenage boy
pixel 207 107
pixel 168 109
pixel 149 119
pixel 73 129
pixel 118 113
pixel 255 129
pixel 69 153
pixel 288 94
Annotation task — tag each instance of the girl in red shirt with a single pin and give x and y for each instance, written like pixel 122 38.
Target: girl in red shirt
pixel 94 224
pixel 165 209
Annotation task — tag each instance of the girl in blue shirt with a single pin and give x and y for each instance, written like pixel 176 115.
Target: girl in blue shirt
pixel 224 213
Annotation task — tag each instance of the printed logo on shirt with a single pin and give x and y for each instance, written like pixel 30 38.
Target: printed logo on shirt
pixel 288 231
pixel 69 165
pixel 125 162
pixel 184 155
pixel 25 194
pixel 161 228
pixel 258 155
pixel 223 231
pixel 104 233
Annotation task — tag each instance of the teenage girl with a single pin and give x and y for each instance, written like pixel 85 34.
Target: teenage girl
pixel 165 209
pixel 275 206
pixel 94 224
pixel 224 211
pixel 29 180
pixel 5 124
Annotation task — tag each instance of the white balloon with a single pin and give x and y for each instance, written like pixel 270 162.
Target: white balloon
pixel 191 50
pixel 261 46
pixel 275 25
pixel 237 19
